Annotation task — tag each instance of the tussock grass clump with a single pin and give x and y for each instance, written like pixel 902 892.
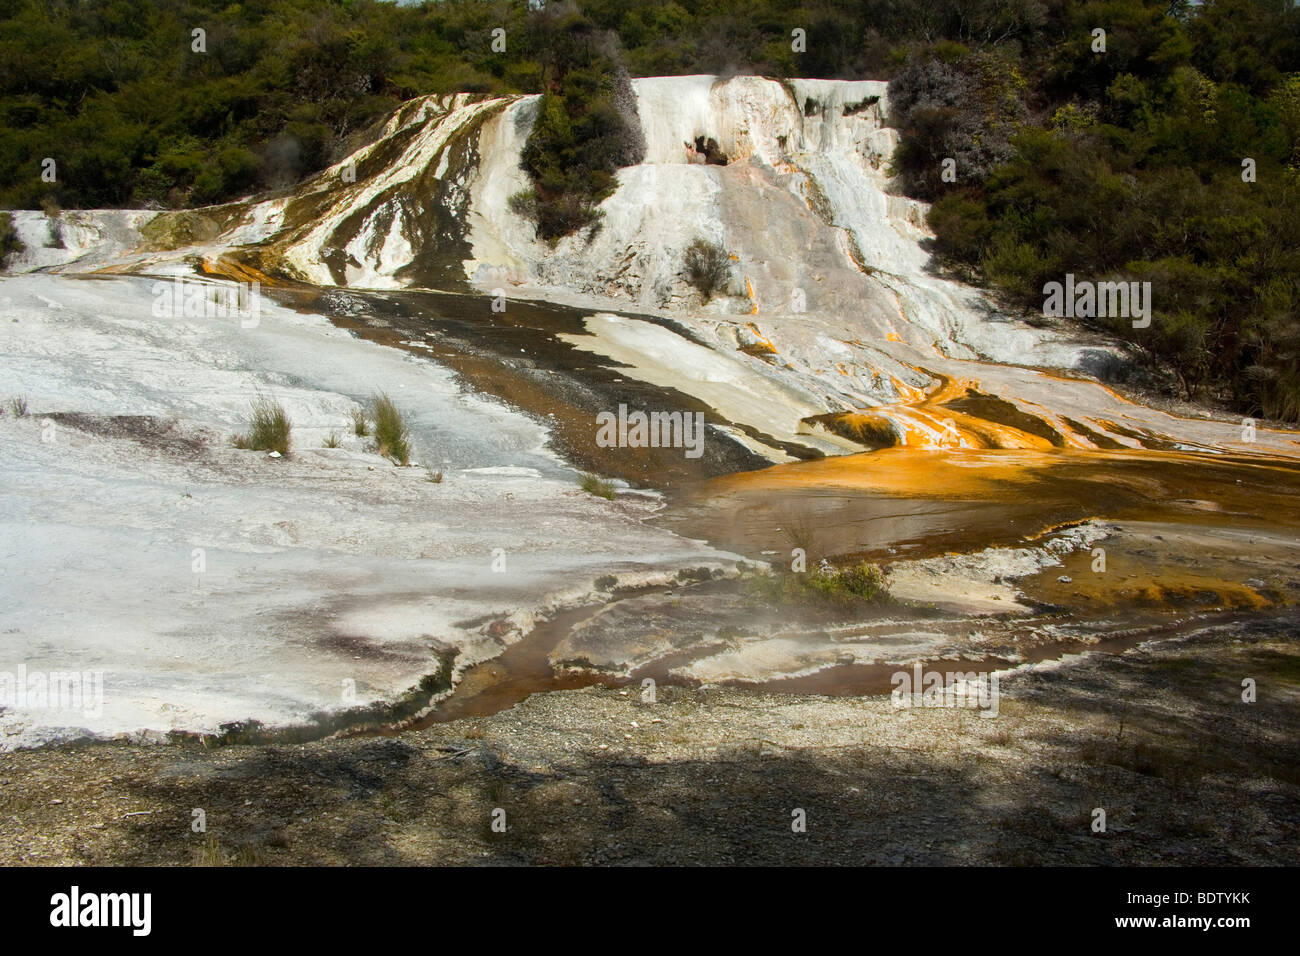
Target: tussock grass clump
pixel 391 434
pixel 331 442
pixel 360 425
pixel 834 587
pixel 18 406
pixel 595 485
pixel 435 474
pixel 268 428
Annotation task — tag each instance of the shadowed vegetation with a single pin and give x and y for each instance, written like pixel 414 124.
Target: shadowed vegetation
pixel 9 241
pixel 1173 157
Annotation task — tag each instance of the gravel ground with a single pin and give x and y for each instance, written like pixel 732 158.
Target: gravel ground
pixel 1158 737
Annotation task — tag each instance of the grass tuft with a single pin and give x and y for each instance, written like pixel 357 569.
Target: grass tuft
pixel 390 431
pixel 595 485
pixel 360 426
pixel 331 442
pixel 391 434
pixel 837 587
pixel 268 428
pixel 18 406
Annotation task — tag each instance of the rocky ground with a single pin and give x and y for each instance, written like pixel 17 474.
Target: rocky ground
pixel 1158 737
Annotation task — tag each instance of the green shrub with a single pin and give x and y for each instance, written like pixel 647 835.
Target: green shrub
pixel 586 126
pixel 54 223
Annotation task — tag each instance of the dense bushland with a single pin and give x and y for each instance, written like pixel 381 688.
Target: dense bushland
pixel 1128 165
pixel 115 92
pixel 586 125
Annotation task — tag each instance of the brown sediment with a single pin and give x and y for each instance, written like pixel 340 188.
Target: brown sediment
pixel 870 431
pixel 519 357
pixel 761 346
pixel 953 413
pixel 1173 595
pixel 1142 436
pixel 999 411
pixel 229 266
pixel 1104 442
pixel 521 670
pixel 1178 566
pixel 899 501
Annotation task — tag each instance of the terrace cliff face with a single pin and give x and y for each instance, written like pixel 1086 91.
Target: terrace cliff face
pixel 833 331
pixel 801 205
pixel 829 294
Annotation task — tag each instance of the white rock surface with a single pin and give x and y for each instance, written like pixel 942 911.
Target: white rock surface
pixel 327 566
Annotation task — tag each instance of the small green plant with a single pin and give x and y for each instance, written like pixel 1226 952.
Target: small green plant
pixel 836 587
pixel 268 428
pixel 18 406
pixel 595 485
pixel 434 475
pixel 55 223
pixel 332 441
pixel 391 434
pixel 360 426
